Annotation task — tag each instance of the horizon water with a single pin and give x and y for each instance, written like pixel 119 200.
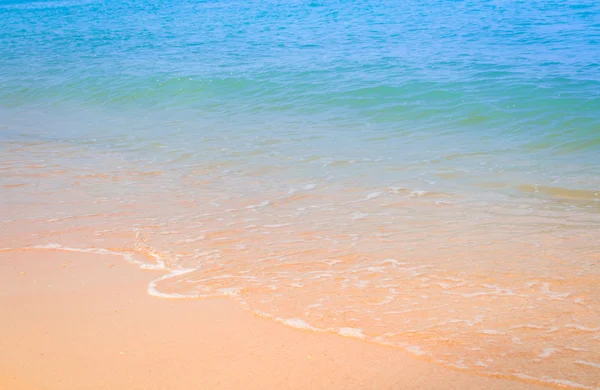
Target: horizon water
pixel 423 175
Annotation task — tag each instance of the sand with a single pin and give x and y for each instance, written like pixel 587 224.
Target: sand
pixel 85 321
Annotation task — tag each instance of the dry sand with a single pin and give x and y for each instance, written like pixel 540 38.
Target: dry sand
pixel 84 321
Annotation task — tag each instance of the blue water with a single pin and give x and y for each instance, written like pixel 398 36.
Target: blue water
pixel 494 76
pixel 491 107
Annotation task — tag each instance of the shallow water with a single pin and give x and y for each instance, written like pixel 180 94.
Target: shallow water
pixel 423 175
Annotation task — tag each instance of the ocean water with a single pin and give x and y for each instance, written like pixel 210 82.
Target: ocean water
pixel 424 175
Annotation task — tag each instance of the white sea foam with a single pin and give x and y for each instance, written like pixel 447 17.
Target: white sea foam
pixel 559 382
pixel 297 323
pixel 160 265
pixel 491 332
pixel 352 332
pixel 230 292
pixel 393 262
pixel 545 288
pixel 416 350
pixel 261 204
pixel 576 349
pixel 418 193
pixel 547 352
pixel 190 240
pixel 528 326
pixel 155 292
pixel 396 190
pixel 586 363
pixel 582 328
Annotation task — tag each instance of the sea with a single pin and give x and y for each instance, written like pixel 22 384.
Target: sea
pixel 418 174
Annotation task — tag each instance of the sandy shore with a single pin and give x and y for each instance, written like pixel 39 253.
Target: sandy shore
pixel 85 321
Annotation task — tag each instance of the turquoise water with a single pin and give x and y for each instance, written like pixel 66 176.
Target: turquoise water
pixel 499 77
pixel 439 154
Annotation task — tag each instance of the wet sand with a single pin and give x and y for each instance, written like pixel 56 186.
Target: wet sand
pixel 85 321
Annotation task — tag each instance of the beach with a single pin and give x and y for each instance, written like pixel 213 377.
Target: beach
pixel 84 321
pixel 506 291
pixel 299 194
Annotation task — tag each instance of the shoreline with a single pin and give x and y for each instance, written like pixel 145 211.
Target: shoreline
pixel 91 302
